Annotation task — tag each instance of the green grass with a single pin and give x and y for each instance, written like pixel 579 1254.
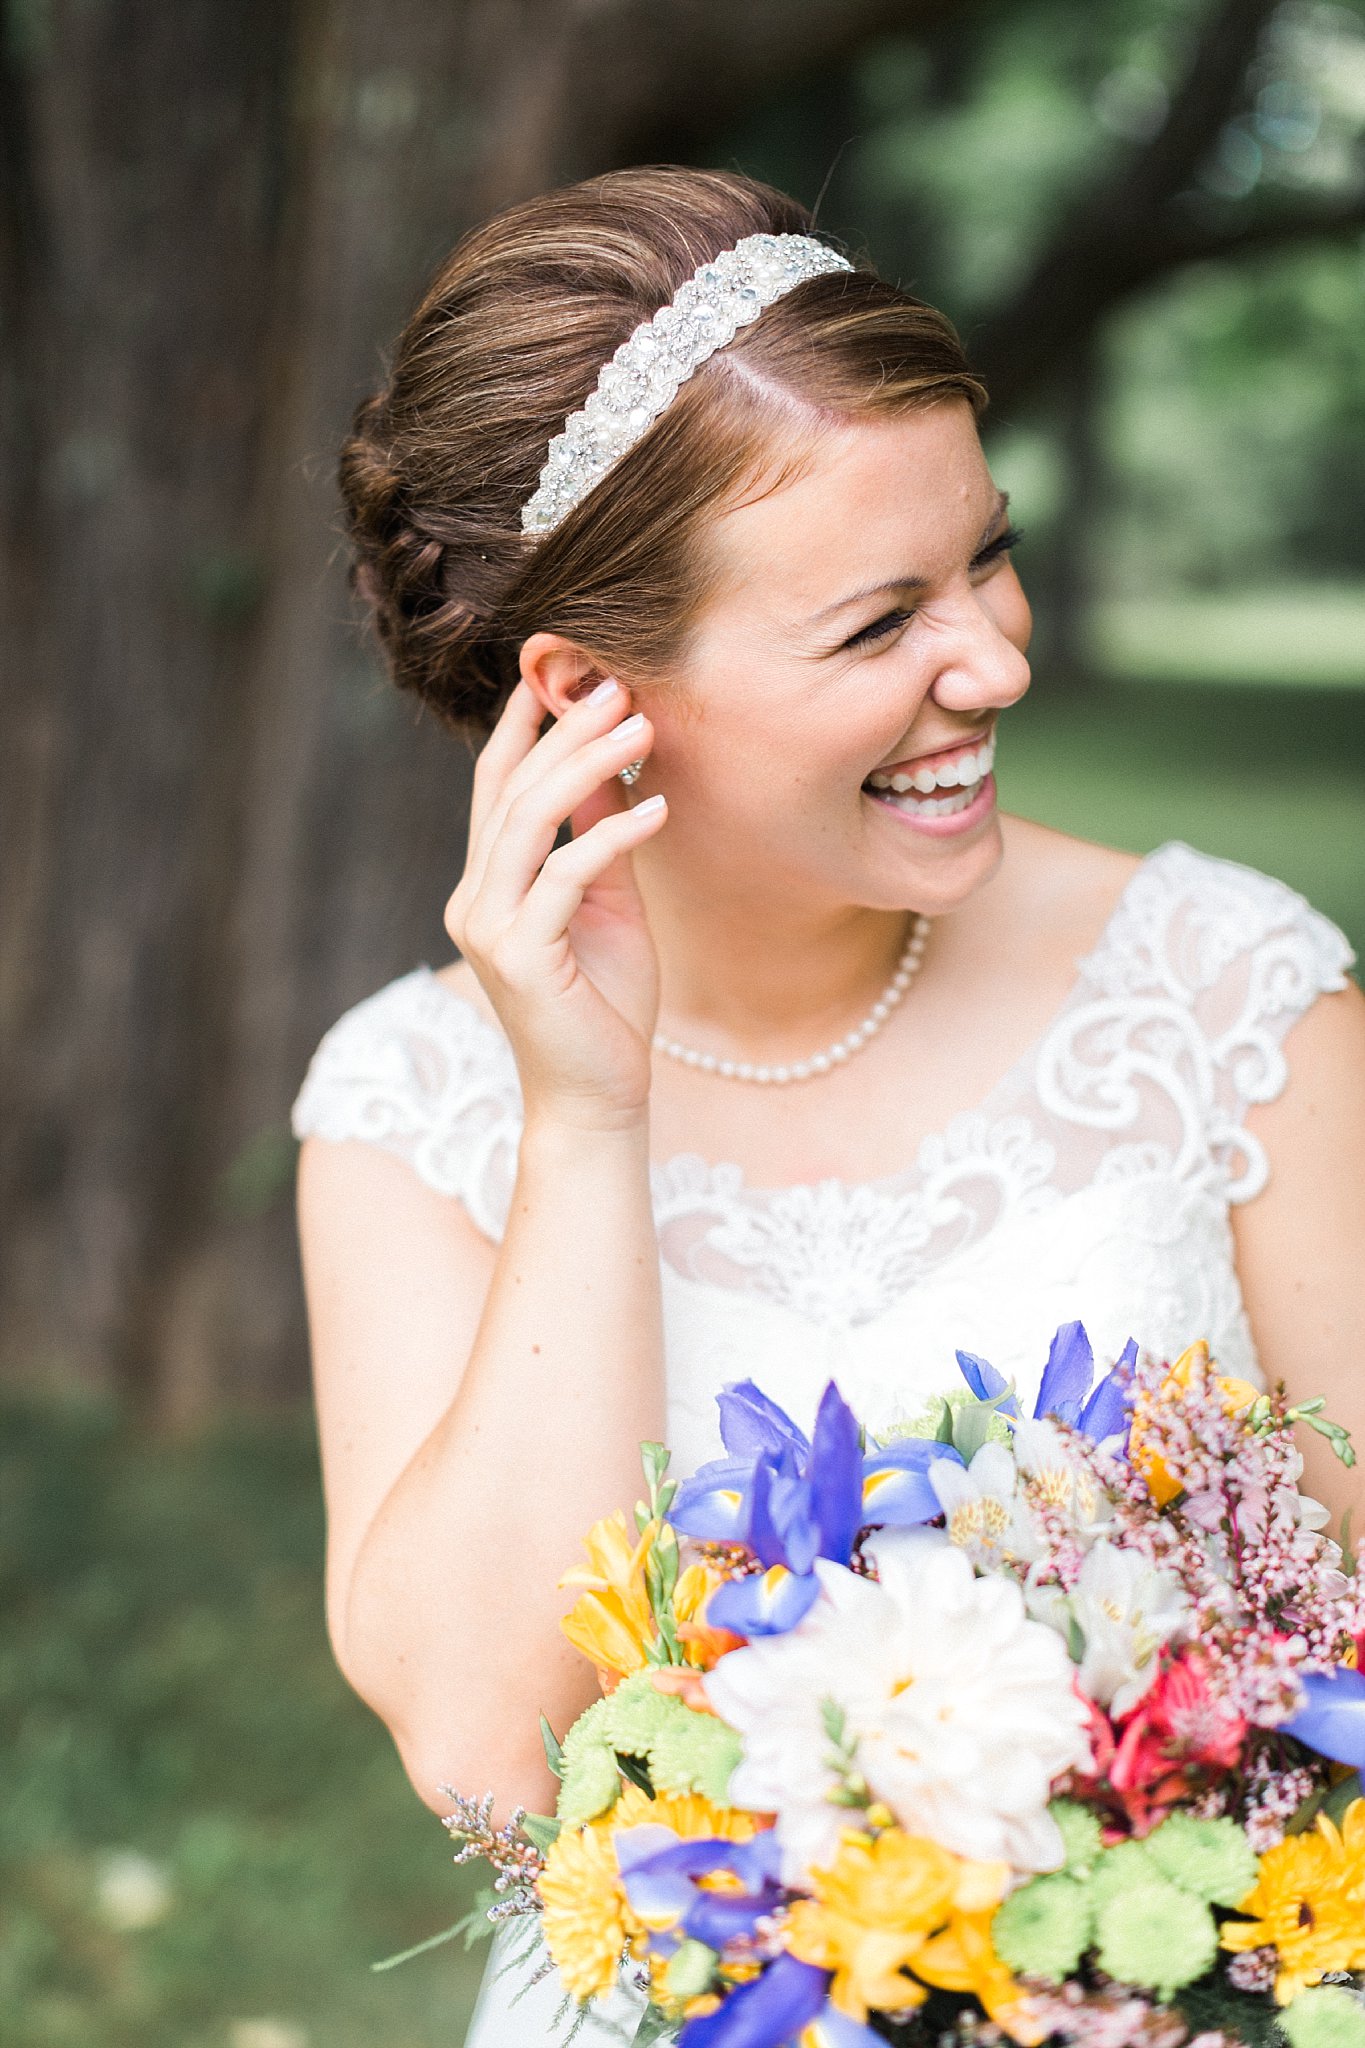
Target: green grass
pixel 1272 777
pixel 166 1689
pixel 1307 636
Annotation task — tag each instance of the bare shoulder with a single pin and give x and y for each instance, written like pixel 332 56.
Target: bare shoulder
pixel 1057 883
pixel 459 977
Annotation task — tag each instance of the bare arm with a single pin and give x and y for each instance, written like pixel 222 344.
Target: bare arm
pixel 480 1406
pixel 1301 1242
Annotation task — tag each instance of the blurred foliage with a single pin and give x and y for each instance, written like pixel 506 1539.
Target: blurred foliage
pixel 1271 777
pixel 1231 409
pixel 205 1839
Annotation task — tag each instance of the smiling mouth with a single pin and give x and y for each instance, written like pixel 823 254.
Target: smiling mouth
pixel 916 789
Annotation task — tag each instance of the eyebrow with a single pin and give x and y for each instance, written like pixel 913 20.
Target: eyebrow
pixel 909 582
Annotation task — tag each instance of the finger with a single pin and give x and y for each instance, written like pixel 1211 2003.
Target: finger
pixel 513 773
pixel 525 839
pixel 556 896
pixel 510 741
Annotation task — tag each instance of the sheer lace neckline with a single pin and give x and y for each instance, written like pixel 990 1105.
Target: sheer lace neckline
pixel 986 1108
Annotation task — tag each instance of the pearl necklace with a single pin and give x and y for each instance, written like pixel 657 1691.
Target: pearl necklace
pixel 907 967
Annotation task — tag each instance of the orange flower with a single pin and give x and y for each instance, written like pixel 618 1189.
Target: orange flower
pixel 612 1622
pixel 704 1645
pixel 963 1958
pixel 1162 1484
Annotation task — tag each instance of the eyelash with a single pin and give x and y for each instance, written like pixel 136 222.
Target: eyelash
pixel 1008 538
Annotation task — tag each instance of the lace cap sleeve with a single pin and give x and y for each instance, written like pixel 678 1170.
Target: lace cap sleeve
pixel 417 1071
pixel 1242 956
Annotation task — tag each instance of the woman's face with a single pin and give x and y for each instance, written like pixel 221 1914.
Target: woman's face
pixel 867 624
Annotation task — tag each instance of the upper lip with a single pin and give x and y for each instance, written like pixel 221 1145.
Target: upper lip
pixel 943 753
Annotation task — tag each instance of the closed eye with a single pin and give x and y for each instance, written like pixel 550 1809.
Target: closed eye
pixel 890 622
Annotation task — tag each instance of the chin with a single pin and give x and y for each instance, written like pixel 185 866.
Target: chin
pixel 936 876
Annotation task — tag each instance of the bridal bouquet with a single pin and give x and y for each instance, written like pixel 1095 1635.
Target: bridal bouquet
pixel 988 1727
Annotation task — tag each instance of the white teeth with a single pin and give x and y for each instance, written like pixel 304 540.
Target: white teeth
pixel 964 771
pixel 938 806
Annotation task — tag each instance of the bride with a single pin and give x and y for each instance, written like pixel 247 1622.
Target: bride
pixel 795 1058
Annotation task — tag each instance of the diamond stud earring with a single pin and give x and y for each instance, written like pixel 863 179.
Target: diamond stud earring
pixel 631 774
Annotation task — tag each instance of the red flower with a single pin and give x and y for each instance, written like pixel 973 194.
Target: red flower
pixel 1178 1738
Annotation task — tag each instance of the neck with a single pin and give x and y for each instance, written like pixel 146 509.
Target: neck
pixel 756 975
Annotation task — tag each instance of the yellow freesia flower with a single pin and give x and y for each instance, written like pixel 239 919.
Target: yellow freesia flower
pixel 874 1910
pixel 963 1958
pixel 1237 1395
pixel 612 1622
pixel 1308 1904
pixel 703 1646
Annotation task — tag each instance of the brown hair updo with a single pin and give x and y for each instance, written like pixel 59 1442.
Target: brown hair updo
pixel 509 340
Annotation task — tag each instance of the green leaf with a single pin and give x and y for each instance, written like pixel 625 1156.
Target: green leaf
pixel 1341 1796
pixel 972 1427
pixel 554 1753
pixel 943 1428
pixel 476 1913
pixel 632 1768
pixel 653 2028
pixel 1348 1553
pixel 541 1829
pixel 654 1458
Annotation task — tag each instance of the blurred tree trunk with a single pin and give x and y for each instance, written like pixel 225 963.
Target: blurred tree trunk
pixel 1075 400
pixel 220 827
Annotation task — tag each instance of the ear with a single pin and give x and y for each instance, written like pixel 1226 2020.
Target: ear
pixel 558 672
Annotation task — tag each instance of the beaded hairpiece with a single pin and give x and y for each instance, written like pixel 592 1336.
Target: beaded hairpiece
pixel 652 364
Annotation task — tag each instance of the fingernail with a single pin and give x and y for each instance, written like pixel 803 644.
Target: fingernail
pixel 605 689
pixel 629 726
pixel 648 807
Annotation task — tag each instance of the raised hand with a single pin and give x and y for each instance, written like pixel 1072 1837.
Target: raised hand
pixel 557 935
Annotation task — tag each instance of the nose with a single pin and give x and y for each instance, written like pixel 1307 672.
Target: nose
pixel 982 666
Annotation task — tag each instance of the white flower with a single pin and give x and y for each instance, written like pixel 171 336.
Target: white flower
pixel 983 1513
pixel 959 1710
pixel 1126 1610
pixel 1060 1480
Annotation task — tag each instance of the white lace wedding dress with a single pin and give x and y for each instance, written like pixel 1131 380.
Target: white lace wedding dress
pixel 1094 1181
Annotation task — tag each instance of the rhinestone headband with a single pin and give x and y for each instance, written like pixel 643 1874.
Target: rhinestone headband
pixel 651 366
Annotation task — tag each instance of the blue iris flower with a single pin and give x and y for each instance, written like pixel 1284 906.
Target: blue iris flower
pixel 663 1880
pixel 792 1500
pixel 1332 1720
pixel 768 2013
pixel 1066 1391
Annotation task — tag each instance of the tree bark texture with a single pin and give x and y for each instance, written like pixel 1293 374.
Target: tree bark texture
pixel 220 826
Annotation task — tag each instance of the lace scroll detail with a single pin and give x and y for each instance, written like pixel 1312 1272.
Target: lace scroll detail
pixel 1200 973
pixel 1173 1031
pixel 417 1071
